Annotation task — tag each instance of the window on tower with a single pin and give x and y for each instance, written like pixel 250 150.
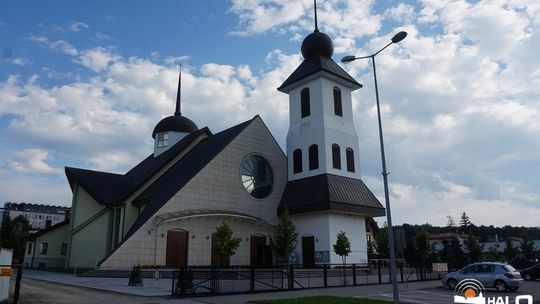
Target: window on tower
pixel 297 161
pixel 304 102
pixel 338 109
pixel 349 153
pixel 162 140
pixel 313 157
pixel 336 156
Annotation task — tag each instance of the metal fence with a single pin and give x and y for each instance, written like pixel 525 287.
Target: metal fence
pixel 6 273
pixel 214 280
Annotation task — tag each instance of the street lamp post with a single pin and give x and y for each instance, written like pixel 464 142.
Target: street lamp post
pixel 397 38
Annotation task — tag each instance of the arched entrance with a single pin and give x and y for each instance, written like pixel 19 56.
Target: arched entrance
pixel 177 248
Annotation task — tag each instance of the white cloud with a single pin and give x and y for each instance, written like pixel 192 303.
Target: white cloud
pixel 31 161
pixel 458 104
pixel 20 61
pixel 78 26
pixel 60 46
pixel 97 59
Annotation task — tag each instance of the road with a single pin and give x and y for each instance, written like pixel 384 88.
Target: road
pixel 40 292
pixel 440 295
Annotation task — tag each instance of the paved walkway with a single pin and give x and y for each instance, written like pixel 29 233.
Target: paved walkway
pixel 160 290
pixel 150 287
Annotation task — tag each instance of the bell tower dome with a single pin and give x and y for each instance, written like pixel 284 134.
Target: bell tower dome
pixel 172 129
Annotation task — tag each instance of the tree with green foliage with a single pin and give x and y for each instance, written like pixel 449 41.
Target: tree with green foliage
pixel 226 244
pixel 13 234
pixel 342 247
pixel 493 253
pixel 381 244
pixel 474 248
pixel 285 237
pixel 510 252
pixel 450 222
pixel 421 245
pixel 465 223
pixel 527 249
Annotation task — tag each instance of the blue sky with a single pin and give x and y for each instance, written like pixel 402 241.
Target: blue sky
pixel 83 84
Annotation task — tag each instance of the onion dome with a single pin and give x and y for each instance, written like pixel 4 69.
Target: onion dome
pixel 317 43
pixel 175 123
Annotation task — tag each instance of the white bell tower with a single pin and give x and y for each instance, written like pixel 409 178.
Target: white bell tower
pixel 322 137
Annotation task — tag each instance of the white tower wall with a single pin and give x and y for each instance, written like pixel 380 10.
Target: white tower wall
pixel 322 127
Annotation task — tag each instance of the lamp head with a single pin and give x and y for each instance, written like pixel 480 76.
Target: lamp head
pixel 399 36
pixel 348 59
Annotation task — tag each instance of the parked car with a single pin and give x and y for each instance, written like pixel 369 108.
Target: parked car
pixel 531 273
pixel 500 276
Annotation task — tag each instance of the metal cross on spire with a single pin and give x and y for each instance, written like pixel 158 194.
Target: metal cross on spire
pixel 178 93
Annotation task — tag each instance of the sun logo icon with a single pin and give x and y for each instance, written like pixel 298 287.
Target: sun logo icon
pixel 469 291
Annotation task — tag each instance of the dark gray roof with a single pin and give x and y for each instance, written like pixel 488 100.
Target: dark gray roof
pixel 110 188
pixel 168 184
pixel 176 123
pixel 314 64
pixel 329 192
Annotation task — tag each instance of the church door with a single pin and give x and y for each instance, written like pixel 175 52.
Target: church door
pixel 260 253
pixel 177 249
pixel 308 251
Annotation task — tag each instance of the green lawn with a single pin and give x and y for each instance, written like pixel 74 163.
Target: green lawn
pixel 322 300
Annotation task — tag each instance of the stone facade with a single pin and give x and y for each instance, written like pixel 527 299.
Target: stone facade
pixel 214 194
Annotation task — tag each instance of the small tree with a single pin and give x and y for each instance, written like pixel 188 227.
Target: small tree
pixel 527 249
pixel 381 244
pixel 465 223
pixel 284 240
pixel 493 253
pixel 475 251
pixel 226 244
pixel 342 247
pixel 422 246
pixel 510 252
pixel 13 233
pixel 450 222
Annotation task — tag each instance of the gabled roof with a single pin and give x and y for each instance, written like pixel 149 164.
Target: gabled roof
pixel 168 184
pixel 329 192
pixel 318 63
pixel 110 188
pixel 43 231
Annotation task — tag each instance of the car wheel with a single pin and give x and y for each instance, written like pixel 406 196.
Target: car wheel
pixel 451 283
pixel 528 277
pixel 514 288
pixel 501 285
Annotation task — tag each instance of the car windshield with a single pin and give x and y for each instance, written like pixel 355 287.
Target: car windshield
pixel 509 268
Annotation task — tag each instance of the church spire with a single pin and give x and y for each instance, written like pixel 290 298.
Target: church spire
pixel 315 10
pixel 178 93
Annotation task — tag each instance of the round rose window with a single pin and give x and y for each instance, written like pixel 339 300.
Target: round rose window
pixel 257 177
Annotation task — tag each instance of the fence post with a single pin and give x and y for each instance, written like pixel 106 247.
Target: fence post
pixel 291 277
pixel 379 271
pixel 354 274
pixel 214 279
pixel 325 277
pixel 252 278
pixel 17 285
pixel 401 271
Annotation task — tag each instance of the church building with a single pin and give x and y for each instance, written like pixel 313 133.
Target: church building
pixel 165 210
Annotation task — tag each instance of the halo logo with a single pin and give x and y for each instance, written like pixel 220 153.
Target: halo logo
pixel 471 291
